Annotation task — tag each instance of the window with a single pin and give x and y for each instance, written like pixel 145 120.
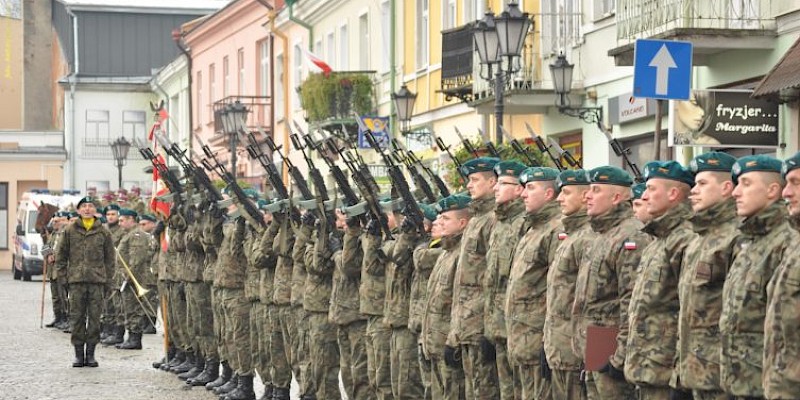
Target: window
pixel 386 22
pixel 298 74
pixel 226 77
pixel 330 44
pixel 199 104
pixel 263 71
pixel 604 8
pixel 473 10
pixel 344 48
pixel 133 126
pixel 448 14
pixel 240 62
pixel 3 215
pixel 422 34
pixel 363 42
pixel 318 48
pixel 279 98
pixel 561 21
pixel 212 86
pixel 97 129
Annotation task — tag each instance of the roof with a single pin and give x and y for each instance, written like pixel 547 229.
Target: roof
pixel 783 75
pixel 144 5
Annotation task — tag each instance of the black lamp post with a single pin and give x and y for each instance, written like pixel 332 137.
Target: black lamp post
pixel 404 101
pixel 119 149
pixel 234 117
pixel 561 71
pixel 497 37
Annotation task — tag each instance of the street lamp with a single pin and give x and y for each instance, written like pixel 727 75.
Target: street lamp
pixel 119 149
pixel 234 117
pixel 404 101
pixel 497 37
pixel 561 71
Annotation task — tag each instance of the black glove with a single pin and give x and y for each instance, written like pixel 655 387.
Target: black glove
pixel 545 371
pixel 374 225
pixel 680 394
pixel 334 243
pixel 452 356
pixel 408 225
pixel 613 372
pixel 488 351
pixel 308 219
pixel 217 212
pixel 159 229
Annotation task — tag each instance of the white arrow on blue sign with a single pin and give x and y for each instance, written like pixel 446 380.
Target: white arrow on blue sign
pixel 662 69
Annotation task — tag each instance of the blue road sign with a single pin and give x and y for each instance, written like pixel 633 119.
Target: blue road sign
pixel 662 69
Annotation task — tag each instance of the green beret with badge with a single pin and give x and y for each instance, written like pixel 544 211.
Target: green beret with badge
pixel 570 177
pixel 480 164
pixel 608 175
pixel 538 174
pixel 637 190
pixel 510 168
pixel 453 202
pixel 712 161
pixel 127 212
pixel 86 199
pixel 112 207
pixel 428 211
pixel 670 170
pixel 250 193
pixel 790 164
pixel 148 217
pixel 755 163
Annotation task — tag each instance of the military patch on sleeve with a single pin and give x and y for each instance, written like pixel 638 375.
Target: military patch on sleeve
pixel 562 236
pixel 629 245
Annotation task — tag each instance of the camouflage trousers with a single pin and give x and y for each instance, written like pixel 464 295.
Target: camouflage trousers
pixel 294 329
pixel 260 335
pixel 58 293
pixel 113 309
pixel 236 311
pixel 353 360
pixel 510 388
pixel 279 353
pixel 480 375
pixel 219 323
pixel 566 385
pixel 709 395
pixel 447 383
pixel 323 372
pixel 653 393
pixel 600 386
pixel 201 318
pixel 379 339
pixel 134 314
pixel 425 369
pixel 85 304
pixel 532 383
pixel 404 365
pixel 176 314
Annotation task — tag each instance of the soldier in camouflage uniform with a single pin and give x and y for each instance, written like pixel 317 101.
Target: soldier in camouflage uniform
pixel 257 323
pixel 282 317
pixel 526 297
pixel 707 262
pixel 176 306
pixel 127 224
pixel 510 227
pixel 303 237
pixel 114 313
pixel 447 374
pixel 206 304
pixel 606 276
pixel 135 201
pixel 58 290
pixel 639 204
pixel 765 240
pixel 652 342
pixel 575 236
pixel 782 324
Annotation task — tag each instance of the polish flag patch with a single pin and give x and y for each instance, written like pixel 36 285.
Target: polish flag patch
pixel 562 236
pixel 630 245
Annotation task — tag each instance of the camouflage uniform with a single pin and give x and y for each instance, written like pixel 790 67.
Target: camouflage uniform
pixel 765 238
pixel 176 286
pixel 653 312
pixel 298 314
pixel 447 383
pixel 603 291
pixel 700 294
pixel 282 297
pixel 526 299
pixel 114 310
pixel 259 323
pixel 575 236
pixel 137 248
pixel 196 315
pixel 425 256
pixel 230 277
pixel 208 304
pixel 58 290
pixel 344 312
pixel 508 230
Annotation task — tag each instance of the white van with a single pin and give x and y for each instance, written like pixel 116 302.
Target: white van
pixel 27 258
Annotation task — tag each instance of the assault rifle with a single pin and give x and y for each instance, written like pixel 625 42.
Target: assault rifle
pixel 564 153
pixel 255 152
pixel 190 168
pixel 400 156
pixel 489 145
pixel 543 147
pixel 520 149
pixel 316 177
pixel 250 209
pixel 172 182
pixel 623 152
pixel 466 143
pixel 343 184
pixel 445 148
pixel 436 179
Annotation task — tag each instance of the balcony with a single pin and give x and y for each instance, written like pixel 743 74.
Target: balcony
pixel 713 26
pixel 330 101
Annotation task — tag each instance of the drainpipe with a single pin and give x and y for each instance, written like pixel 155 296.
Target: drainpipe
pixel 302 23
pixel 392 65
pixel 70 175
pixel 271 20
pixel 282 36
pixel 177 37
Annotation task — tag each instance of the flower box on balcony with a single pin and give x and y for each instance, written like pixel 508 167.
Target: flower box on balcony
pixel 337 95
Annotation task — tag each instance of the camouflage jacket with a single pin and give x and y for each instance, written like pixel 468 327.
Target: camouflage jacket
pixel 765 239
pixel 320 265
pixel 137 248
pixel 782 328
pixel 265 258
pixel 508 230
pixel 700 292
pixel 52 241
pixel 117 233
pixel 176 268
pixel 466 323
pixel 231 263
pixel 283 267
pixel 346 280
pixel 86 256
pixel 425 256
pixel 526 298
pixel 212 240
pixel 372 292
pixel 575 236
pixel 195 254
pixel 653 312
pixel 252 279
pixel 438 308
pixel 302 239
pixel 398 280
pixel 606 277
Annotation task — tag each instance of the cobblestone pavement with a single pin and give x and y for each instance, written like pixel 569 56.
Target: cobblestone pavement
pixel 36 363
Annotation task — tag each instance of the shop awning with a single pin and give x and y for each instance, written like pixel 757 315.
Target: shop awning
pixel 785 74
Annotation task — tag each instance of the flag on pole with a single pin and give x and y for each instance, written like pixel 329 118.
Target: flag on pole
pixel 318 62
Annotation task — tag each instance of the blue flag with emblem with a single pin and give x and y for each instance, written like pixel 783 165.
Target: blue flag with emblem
pixel 379 127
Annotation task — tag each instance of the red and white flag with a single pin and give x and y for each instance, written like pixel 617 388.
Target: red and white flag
pixel 319 63
pixel 630 245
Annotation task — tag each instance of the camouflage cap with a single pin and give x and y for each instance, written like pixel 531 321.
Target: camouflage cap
pixel 712 161
pixel 110 207
pixel 86 199
pixel 755 163
pixel 428 211
pixel 453 202
pixel 480 164
pixel 538 174
pixel 569 177
pixel 790 164
pixel 609 175
pixel 637 190
pixel 127 212
pixel 671 170
pixel 510 168
pixel 147 217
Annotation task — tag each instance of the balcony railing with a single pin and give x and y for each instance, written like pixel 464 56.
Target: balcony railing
pixel 259 115
pixel 458 58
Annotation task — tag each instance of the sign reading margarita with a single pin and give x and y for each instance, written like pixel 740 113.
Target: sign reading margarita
pixel 723 118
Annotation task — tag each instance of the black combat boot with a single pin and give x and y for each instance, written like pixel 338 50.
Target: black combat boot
pixel 267 393
pixel 228 386
pixel 149 325
pixel 90 361
pixel 117 336
pixel 209 374
pixel 63 323
pixel 197 368
pixel 79 357
pixel 179 358
pixel 244 391
pixel 280 393
pixel 134 342
pixel 125 342
pixel 185 365
pixel 169 356
pixel 223 378
pixel 309 397
pixel 55 321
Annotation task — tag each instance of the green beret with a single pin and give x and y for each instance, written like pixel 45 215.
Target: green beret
pixel 429 211
pixel 712 161
pixel 790 164
pixel 755 163
pixel 538 174
pixel 609 175
pixel 102 210
pixel 637 190
pixel 510 168
pixel 453 202
pixel 127 212
pixel 671 170
pixel 110 207
pixel 74 214
pixel 148 217
pixel 87 199
pixel 569 177
pixel 250 193
pixel 480 164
